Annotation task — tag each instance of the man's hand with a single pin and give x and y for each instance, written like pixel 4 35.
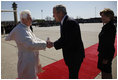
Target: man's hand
pixel 49 43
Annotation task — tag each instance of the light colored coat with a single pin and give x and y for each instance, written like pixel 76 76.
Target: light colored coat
pixel 28 51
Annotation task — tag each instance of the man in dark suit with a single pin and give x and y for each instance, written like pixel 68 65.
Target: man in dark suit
pixel 70 41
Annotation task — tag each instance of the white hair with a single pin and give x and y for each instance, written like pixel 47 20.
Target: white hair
pixel 24 14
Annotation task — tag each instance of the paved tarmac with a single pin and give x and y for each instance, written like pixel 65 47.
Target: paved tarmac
pixel 9 50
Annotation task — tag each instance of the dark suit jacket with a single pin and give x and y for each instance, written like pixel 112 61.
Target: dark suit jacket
pixel 70 42
pixel 106 41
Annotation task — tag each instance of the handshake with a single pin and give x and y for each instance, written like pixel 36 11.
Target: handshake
pixel 49 43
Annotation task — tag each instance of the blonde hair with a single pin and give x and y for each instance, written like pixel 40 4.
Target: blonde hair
pixel 108 12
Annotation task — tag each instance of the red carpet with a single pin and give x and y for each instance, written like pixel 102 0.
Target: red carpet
pixel 88 70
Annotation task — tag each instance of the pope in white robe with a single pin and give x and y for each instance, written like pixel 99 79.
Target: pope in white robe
pixel 28 48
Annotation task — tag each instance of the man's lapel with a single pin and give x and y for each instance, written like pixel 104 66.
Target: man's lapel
pixel 62 25
pixel 65 20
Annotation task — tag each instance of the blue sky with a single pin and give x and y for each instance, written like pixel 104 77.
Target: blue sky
pixel 80 9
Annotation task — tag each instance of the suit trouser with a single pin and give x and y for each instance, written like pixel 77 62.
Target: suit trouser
pixel 74 70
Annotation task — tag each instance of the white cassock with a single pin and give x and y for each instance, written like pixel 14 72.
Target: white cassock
pixel 28 51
